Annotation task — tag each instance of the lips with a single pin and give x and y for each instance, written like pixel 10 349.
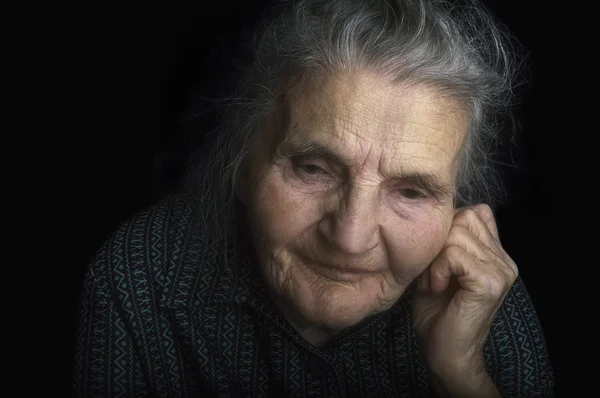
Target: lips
pixel 347 269
pixel 340 274
pixel 336 271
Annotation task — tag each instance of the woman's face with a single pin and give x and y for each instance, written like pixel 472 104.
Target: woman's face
pixel 349 194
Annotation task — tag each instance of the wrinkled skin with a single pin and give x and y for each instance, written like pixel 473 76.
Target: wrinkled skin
pixel 384 212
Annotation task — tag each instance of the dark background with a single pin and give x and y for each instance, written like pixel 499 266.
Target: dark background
pixel 132 70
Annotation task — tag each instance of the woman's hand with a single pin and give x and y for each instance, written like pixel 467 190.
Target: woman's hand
pixel 456 299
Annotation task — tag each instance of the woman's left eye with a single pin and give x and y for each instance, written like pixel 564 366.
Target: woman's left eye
pixel 412 194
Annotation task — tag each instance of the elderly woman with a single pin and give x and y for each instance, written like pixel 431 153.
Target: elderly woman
pixel 336 236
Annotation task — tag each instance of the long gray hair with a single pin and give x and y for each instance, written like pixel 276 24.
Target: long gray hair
pixel 455 46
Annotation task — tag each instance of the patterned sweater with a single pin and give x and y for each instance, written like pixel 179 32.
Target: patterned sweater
pixel 162 317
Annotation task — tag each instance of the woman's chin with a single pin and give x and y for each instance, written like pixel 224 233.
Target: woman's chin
pixel 336 309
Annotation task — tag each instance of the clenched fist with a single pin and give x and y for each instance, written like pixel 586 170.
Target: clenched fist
pixel 456 299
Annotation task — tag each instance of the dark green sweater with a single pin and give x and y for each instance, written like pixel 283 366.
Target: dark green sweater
pixel 162 317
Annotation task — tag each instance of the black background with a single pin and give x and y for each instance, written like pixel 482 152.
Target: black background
pixel 130 73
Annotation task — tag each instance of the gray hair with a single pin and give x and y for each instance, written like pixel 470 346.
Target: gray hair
pixel 454 46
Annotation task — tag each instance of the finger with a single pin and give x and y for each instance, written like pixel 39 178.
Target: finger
pixel 472 274
pixel 486 214
pixel 469 218
pixel 464 238
pixel 472 219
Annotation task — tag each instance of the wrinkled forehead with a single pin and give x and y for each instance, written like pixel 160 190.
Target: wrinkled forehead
pixel 359 114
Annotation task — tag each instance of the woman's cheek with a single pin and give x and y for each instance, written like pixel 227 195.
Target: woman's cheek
pixel 283 209
pixel 416 241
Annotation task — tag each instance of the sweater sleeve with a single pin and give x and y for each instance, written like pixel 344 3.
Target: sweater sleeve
pixel 516 355
pixel 107 363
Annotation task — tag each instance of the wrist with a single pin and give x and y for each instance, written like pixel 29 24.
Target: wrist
pixel 465 384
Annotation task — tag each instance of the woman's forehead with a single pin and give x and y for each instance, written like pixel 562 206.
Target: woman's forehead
pixel 352 116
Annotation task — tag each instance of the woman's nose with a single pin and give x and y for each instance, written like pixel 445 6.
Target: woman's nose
pixel 352 227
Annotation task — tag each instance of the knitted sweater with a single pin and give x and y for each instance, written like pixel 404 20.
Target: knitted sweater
pixel 161 316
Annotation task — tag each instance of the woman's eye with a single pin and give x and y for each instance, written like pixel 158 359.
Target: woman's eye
pixel 312 169
pixel 410 193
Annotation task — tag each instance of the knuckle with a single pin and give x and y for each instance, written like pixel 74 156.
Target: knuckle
pixel 495 284
pixel 497 288
pixel 452 252
pixel 513 274
pixel 509 267
pixel 457 233
pixel 508 278
pixel 490 290
pixel 468 214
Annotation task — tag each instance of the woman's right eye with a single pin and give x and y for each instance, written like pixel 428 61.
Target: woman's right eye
pixel 312 169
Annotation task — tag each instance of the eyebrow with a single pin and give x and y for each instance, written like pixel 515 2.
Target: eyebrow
pixel 312 150
pixel 315 150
